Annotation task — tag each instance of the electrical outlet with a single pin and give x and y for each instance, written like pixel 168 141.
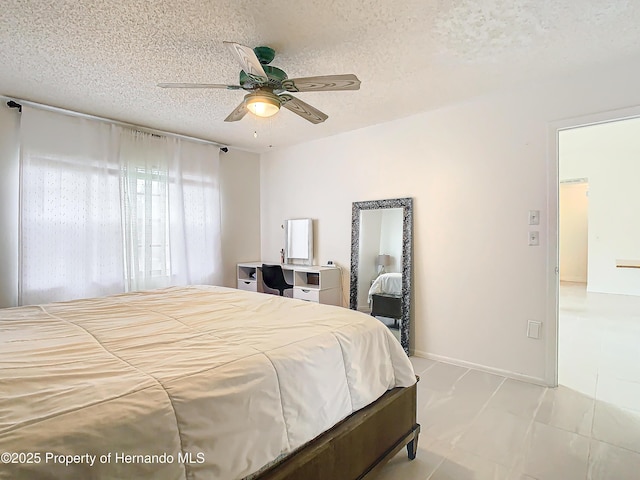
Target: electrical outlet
pixel 534 238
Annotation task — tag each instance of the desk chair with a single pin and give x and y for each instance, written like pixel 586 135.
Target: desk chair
pixel 273 279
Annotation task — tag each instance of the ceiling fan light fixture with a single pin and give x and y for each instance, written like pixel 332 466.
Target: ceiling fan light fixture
pixel 262 80
pixel 263 104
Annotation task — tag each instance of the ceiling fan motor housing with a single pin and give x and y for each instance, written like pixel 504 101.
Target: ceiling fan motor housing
pixel 276 76
pixel 265 54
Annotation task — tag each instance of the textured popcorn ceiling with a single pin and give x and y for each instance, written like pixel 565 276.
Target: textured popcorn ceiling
pixel 104 57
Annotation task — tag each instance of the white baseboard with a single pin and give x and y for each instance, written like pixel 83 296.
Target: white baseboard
pixel 483 368
pixel 571 279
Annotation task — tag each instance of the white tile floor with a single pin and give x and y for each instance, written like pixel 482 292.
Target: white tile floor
pixel 599 345
pixel 481 426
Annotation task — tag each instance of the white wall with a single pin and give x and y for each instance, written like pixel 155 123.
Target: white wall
pixel 474 170
pixel 9 178
pixel 240 210
pixel 391 237
pixel 368 250
pixel 609 155
pixel 574 230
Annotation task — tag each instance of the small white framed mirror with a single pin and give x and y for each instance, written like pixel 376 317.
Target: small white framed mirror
pixel 298 234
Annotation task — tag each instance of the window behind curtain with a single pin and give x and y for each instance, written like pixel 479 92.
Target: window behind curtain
pixel 145 210
pixel 153 244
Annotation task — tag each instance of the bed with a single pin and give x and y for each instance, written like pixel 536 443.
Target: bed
pixel 385 296
pixel 200 382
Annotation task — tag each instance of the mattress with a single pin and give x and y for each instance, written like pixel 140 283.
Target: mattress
pixel 186 382
pixel 387 284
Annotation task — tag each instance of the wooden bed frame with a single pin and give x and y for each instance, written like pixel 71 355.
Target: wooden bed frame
pixel 359 446
pixel 384 305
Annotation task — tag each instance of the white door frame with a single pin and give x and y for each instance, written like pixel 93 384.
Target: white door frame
pixel 553 187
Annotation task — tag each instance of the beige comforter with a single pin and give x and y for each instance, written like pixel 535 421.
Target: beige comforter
pixel 195 382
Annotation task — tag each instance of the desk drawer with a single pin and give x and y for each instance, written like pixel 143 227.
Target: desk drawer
pixel 308 294
pixel 248 285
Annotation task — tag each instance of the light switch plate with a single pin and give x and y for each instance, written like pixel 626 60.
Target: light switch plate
pixel 534 217
pixel 534 238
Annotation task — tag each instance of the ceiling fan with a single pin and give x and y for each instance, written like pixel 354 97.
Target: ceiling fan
pixel 266 86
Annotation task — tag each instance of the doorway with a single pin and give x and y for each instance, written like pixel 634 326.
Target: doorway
pixel 598 245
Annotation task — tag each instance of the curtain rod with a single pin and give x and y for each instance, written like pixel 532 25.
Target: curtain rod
pixel 17 103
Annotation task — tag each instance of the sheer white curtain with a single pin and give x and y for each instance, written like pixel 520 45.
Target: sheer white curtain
pixel 194 214
pixel 105 209
pixel 171 211
pixel 9 193
pixel 70 231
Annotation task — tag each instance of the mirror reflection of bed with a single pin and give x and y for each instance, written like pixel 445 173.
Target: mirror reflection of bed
pixel 385 300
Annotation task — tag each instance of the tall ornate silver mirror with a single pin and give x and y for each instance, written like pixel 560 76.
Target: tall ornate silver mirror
pixel 381 242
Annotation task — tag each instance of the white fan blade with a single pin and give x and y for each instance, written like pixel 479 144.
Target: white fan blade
pixel 322 84
pixel 248 60
pixel 237 114
pixel 303 109
pixel 199 85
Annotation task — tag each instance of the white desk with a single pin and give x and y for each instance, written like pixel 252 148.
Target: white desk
pixel 314 284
